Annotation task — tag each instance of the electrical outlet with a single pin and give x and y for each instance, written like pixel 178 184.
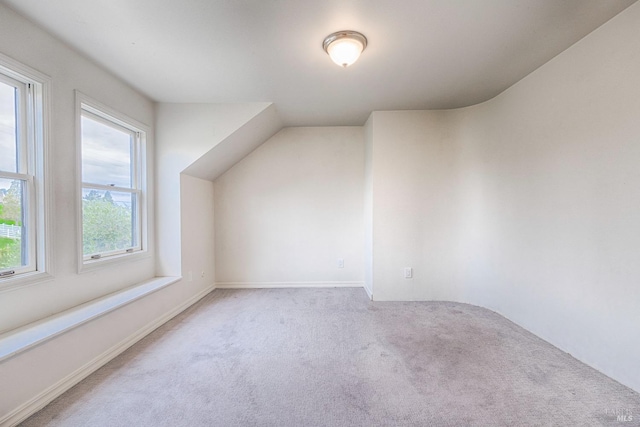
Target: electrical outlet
pixel 408 272
pixel 202 274
pixel 340 263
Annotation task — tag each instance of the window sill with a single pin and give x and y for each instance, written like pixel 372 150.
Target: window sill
pixel 22 339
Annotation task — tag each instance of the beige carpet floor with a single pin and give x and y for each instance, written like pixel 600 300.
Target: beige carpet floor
pixel 330 357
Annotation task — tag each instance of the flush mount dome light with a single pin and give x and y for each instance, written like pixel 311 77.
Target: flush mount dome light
pixel 344 47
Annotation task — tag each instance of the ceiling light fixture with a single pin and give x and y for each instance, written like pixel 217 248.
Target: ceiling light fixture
pixel 344 47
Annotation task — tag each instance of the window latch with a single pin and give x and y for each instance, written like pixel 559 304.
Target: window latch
pixel 97 256
pixel 129 250
pixel 7 273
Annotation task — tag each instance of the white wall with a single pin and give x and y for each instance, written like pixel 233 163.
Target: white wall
pixel 197 218
pixel 29 45
pixel 32 377
pixel 185 133
pixel 414 205
pixel 557 171
pixel 289 210
pixel 527 204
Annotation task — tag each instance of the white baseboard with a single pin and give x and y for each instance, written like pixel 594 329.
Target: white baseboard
pixel 260 285
pixel 368 291
pixel 47 396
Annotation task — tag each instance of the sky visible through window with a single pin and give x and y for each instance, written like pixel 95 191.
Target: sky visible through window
pixel 7 130
pixel 106 157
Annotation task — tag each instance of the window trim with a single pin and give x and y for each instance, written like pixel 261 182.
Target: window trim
pixel 107 115
pixel 34 170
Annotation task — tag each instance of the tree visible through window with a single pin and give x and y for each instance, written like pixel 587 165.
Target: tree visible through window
pixel 111 185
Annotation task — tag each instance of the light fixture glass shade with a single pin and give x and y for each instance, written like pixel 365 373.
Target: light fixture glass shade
pixel 344 47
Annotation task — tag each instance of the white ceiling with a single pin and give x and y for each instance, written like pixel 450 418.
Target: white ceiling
pixel 422 54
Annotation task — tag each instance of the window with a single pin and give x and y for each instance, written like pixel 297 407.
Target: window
pixel 22 201
pixel 112 164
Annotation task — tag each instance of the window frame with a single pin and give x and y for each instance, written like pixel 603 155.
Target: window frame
pixel 32 151
pixel 86 106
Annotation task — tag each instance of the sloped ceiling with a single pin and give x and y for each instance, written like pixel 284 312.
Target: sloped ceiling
pixel 236 146
pixel 422 54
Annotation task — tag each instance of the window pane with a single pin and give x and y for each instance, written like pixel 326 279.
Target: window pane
pixel 12 230
pixel 106 154
pixel 108 221
pixel 8 136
